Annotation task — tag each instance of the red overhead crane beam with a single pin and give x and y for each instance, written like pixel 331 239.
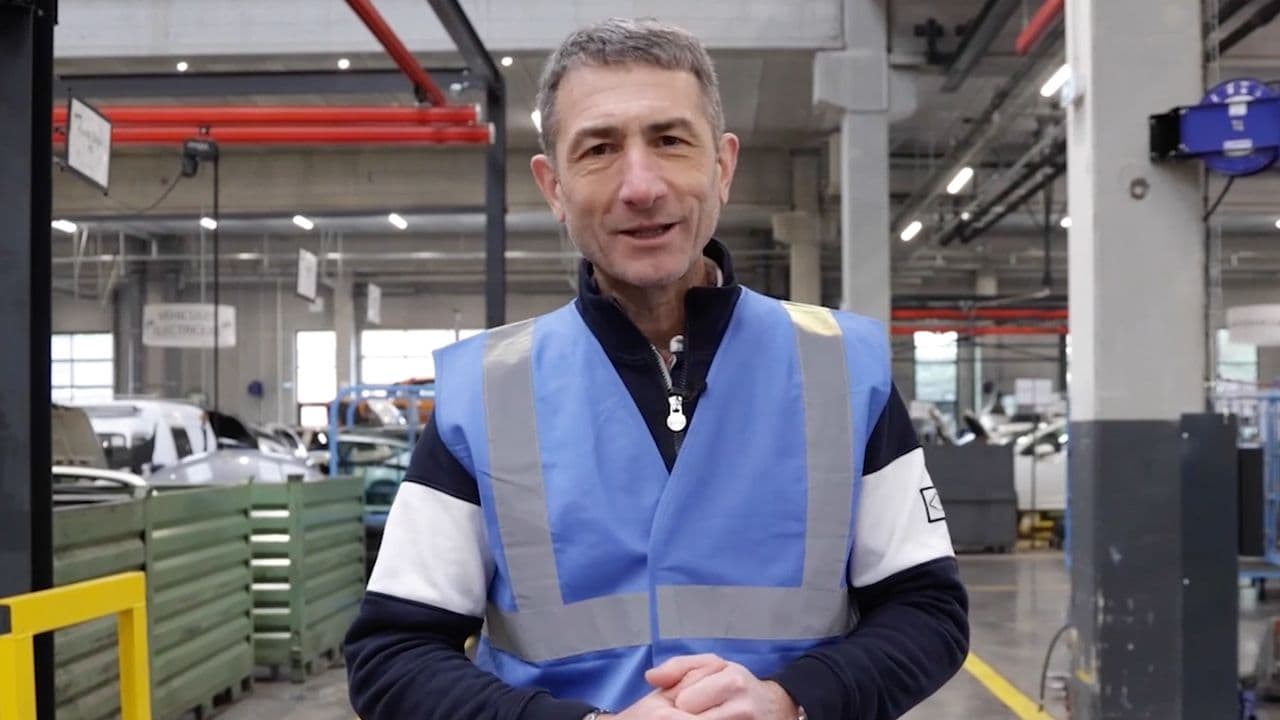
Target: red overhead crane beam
pixel 300 134
pixel 983 329
pixel 281 115
pixel 979 314
pixel 427 89
pixel 1038 25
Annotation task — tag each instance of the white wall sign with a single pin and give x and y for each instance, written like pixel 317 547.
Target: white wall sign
pixel 1254 324
pixel 374 309
pixel 308 265
pixel 89 143
pixel 187 325
pixel 1034 393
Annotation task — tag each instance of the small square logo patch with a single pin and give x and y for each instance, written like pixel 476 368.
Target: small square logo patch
pixel 932 504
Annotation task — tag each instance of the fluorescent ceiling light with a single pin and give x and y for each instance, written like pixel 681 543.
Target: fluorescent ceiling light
pixel 961 179
pixel 182 66
pixel 302 222
pixel 911 231
pixel 1056 81
pixel 1278 223
pixel 398 221
pixel 1065 222
pixel 536 117
pixel 343 64
pixel 65 226
pixel 966 216
pixel 208 223
pixel 507 60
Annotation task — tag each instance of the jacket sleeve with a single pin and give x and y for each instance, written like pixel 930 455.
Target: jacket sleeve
pixel 426 596
pixel 913 630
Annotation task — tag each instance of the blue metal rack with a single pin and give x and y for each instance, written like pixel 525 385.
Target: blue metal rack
pixel 1269 438
pixel 1265 410
pixel 413 393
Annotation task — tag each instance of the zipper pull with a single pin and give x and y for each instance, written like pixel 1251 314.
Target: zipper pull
pixel 676 421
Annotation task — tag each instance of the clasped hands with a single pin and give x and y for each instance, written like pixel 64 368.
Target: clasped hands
pixel 707 687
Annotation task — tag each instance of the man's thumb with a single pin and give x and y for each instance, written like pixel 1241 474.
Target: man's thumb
pixel 670 673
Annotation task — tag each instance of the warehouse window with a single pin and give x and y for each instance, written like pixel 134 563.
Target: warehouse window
pixel 392 356
pixel 82 367
pixel 936 372
pixel 1236 362
pixel 315 375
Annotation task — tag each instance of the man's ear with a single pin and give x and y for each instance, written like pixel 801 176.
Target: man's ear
pixel 544 174
pixel 728 162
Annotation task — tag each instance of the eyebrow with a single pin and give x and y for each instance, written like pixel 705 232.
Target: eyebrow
pixel 665 126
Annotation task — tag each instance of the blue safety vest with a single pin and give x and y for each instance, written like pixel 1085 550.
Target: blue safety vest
pixel 606 564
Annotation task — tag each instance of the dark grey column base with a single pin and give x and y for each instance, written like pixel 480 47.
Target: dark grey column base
pixel 1153 569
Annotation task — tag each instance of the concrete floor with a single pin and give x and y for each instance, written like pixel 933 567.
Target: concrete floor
pixel 1018 602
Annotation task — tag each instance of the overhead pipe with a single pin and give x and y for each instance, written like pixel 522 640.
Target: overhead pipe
pixel 983 31
pixel 281 115
pixel 1054 172
pixel 1260 18
pixel 1229 8
pixel 979 314
pixel 986 130
pixel 1039 24
pixel 425 87
pixel 1041 155
pixel 300 134
pixel 983 330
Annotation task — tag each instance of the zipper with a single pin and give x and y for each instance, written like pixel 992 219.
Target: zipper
pixel 677 421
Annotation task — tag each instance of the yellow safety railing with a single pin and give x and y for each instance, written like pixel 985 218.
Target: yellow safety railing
pixel 123 595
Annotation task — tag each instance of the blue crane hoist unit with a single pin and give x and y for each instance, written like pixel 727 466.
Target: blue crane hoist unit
pixel 1235 129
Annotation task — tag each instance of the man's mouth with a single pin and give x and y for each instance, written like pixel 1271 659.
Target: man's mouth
pixel 648 231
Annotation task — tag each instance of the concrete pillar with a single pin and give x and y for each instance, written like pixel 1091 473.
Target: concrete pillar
pixel 344 329
pixel 126 321
pixel 987 284
pixel 1137 321
pixel 1269 366
pixel 801 230
pixel 856 81
pixel 140 370
pixel 968 354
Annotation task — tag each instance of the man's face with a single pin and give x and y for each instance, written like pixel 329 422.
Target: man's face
pixel 638 176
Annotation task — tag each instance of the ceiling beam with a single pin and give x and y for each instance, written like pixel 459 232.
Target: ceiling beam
pixel 468 42
pixel 231 84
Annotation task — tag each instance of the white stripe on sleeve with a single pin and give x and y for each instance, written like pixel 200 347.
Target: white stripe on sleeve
pixel 901 522
pixel 434 552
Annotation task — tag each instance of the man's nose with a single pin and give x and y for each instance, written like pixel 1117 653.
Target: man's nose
pixel 642 180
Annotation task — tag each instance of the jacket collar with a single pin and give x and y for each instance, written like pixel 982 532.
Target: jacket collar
pixel 707 312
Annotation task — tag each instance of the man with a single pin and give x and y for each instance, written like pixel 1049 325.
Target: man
pixel 674 498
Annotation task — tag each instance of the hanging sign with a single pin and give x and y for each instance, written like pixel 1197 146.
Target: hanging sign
pixel 187 325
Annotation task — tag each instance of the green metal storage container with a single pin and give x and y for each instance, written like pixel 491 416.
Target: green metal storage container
pixel 92 541
pixel 308 571
pixel 199 598
pixel 194 546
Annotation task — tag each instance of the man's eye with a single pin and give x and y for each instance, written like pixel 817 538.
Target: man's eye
pixel 601 149
pixel 671 140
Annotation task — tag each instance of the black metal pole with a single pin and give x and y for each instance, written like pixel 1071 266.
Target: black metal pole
pixel 26 144
pixel 217 286
pixel 495 205
pixel 1047 278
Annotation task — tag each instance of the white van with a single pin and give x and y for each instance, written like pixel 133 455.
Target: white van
pixel 146 435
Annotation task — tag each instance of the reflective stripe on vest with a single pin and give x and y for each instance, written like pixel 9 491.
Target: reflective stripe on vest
pixel 543 627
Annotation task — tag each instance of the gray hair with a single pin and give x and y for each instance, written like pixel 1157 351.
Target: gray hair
pixel 621 41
